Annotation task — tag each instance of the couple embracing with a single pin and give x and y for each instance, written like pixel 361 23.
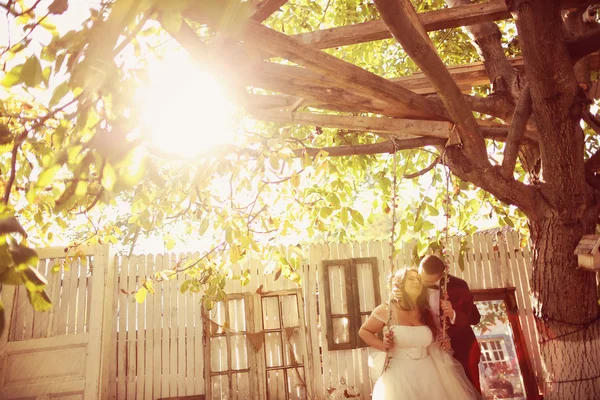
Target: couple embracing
pixel 419 369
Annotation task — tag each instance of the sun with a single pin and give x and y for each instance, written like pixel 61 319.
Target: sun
pixel 184 109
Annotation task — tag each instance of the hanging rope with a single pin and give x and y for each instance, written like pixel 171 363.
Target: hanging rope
pixel 445 340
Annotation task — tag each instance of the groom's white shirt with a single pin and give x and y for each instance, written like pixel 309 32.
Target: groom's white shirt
pixel 433 295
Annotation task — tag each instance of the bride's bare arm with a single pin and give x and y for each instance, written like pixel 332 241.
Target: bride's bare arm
pixel 372 326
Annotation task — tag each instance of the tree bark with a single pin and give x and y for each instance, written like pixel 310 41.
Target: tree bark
pixel 564 298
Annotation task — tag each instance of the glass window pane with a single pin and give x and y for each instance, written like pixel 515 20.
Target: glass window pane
pixel 270 306
pixel 239 352
pixel 341 330
pixel 276 385
pixel 337 294
pixel 296 387
pixel 217 314
pixel 237 315
pixel 220 387
pixel 240 386
pixel 366 293
pixel 218 354
pixel 289 310
pixel 499 367
pixel 273 349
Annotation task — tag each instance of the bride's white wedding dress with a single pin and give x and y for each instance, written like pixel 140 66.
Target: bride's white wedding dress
pixel 419 369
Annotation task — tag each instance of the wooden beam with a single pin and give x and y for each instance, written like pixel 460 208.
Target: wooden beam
pixel 432 21
pixel 266 8
pixel 358 80
pixel 389 146
pixel 403 21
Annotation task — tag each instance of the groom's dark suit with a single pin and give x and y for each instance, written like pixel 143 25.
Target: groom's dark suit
pixel 462 338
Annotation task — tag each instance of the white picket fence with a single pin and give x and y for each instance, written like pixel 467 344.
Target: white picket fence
pixel 268 341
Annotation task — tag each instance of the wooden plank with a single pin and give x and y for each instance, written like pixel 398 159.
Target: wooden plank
pixel 266 8
pixel 141 331
pixel 410 105
pixel 503 258
pixel 82 296
pixel 312 322
pixel 322 253
pixel 172 357
pixel 471 275
pixel 113 349
pixel 72 296
pixel 484 264
pixel 197 348
pixel 161 334
pixel 8 297
pixel 432 20
pixel 59 251
pixel 402 128
pixel 99 348
pixel 131 329
pixel 64 302
pixel 181 350
pixel 189 342
pixel 40 319
pixel 122 332
pixel 54 281
pixel 149 332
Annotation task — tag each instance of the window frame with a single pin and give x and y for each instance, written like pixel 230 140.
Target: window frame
pixel 512 312
pixel 350 287
pixel 285 344
pixel 208 335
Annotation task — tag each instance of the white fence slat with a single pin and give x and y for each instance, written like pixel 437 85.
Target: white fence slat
pixel 82 296
pixel 141 330
pixel 131 329
pixel 158 330
pixel 122 333
pixel 72 297
pixel 181 350
pixel 173 329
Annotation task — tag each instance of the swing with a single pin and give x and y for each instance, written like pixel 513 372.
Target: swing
pixel 443 337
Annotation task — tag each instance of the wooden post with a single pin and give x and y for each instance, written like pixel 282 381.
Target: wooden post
pixel 99 347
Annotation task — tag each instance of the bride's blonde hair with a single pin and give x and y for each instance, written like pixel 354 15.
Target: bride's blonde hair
pixel 401 300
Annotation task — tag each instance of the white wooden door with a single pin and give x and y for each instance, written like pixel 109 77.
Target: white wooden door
pixel 60 354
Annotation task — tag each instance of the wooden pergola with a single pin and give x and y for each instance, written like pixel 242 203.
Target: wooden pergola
pixel 414 111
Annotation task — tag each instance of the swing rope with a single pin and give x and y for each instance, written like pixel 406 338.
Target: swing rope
pixel 445 342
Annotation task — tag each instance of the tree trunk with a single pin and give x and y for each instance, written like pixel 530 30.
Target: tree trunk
pixel 565 303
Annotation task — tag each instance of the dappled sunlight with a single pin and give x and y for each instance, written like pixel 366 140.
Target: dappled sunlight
pixel 184 109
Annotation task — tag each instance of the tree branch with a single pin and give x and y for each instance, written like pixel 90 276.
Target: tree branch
pixel 487 38
pixel 424 170
pixel 584 45
pixel 401 18
pixel 515 133
pixel 266 8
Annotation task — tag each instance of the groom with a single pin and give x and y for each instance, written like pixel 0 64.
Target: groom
pixel 460 311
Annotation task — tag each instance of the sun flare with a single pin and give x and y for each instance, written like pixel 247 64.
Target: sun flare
pixel 185 110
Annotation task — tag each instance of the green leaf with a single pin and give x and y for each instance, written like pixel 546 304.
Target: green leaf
pixel 46 75
pixel 141 294
pixel 47 175
pixel 60 92
pixel 13 77
pixel 39 300
pixel 32 74
pixel 357 216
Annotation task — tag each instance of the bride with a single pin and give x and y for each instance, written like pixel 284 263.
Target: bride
pixel 418 368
